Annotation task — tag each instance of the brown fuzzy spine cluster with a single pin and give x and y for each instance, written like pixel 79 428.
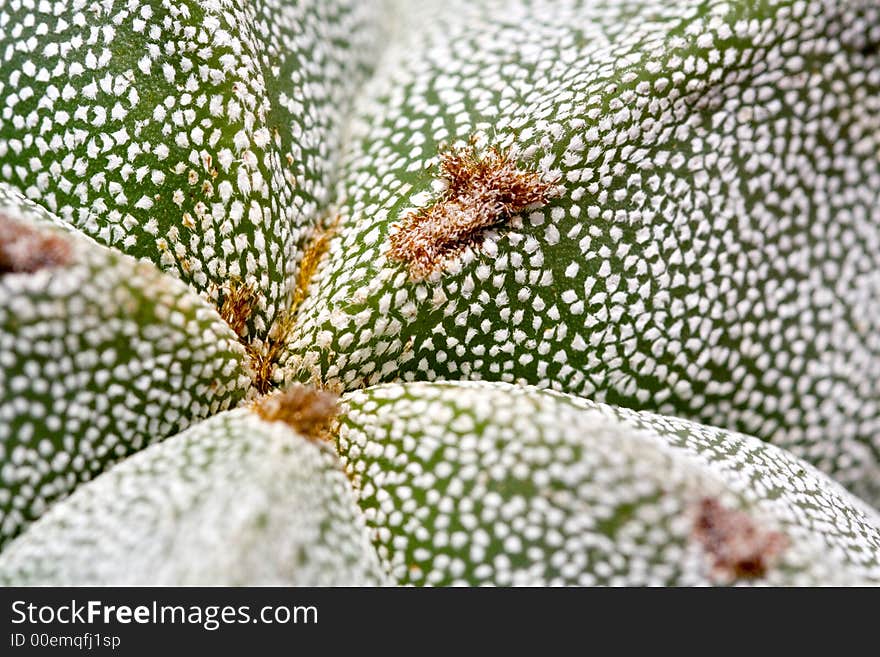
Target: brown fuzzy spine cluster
pixel 739 548
pixel 483 190
pixel 24 249
pixel 237 302
pixel 309 411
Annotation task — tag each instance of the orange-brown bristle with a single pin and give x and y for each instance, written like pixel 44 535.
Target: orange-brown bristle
pixel 482 191
pixel 311 258
pixel 238 303
pixel 239 300
pixel 309 411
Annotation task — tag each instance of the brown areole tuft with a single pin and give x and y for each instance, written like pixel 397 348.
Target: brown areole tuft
pixel 239 300
pixel 312 256
pixel 24 249
pixel 309 411
pixel 264 355
pixel 740 549
pixel 482 191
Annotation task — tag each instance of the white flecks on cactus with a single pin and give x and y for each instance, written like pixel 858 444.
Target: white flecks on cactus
pixel 491 483
pixel 232 501
pixel 200 135
pixel 714 248
pixel 598 222
pixel 100 355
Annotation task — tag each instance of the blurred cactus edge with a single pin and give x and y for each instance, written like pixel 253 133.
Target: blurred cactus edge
pixel 441 292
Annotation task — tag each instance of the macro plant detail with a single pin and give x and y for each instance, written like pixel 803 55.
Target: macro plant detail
pixel 481 191
pixel 369 292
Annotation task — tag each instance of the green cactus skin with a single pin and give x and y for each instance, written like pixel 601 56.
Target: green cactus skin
pixel 458 483
pixel 250 502
pixel 98 358
pixel 532 403
pixel 713 250
pixel 491 483
pixel 199 135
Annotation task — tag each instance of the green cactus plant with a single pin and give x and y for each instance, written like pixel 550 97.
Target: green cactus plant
pixel 596 284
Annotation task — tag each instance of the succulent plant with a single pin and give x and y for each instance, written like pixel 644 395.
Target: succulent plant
pixel 497 292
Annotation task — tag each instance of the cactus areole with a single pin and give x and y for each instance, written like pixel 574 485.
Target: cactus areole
pixel 509 292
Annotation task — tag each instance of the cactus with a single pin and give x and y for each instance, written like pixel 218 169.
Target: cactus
pixel 254 503
pixel 501 292
pixel 102 355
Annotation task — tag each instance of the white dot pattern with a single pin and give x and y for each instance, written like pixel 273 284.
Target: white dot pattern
pixel 489 483
pixel 200 134
pixel 98 359
pixel 234 501
pixel 714 250
pixel 711 254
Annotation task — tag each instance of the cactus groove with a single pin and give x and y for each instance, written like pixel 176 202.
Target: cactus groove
pixel 508 292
